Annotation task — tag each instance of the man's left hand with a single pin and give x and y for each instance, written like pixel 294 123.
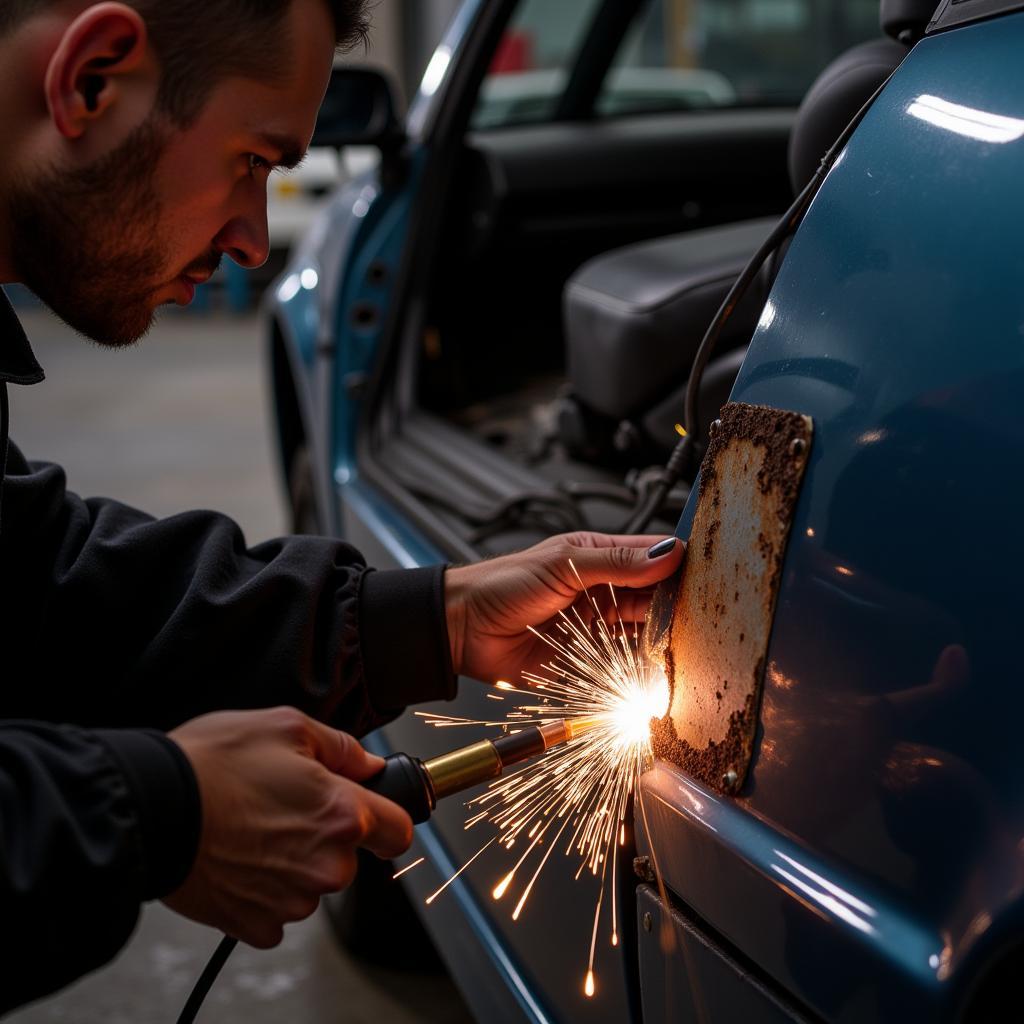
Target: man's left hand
pixel 490 604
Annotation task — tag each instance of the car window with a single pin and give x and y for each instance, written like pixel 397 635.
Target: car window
pixel 694 54
pixel 531 65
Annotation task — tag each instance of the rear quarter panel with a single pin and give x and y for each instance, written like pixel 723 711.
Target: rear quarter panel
pixel 874 860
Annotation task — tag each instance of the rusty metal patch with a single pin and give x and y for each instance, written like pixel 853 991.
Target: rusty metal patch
pixel 717 619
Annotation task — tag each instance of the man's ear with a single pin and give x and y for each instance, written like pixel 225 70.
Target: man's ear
pixel 93 64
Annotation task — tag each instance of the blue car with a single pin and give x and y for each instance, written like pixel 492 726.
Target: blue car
pixel 501 333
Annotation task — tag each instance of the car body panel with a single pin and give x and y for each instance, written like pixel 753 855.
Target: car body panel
pixel 875 857
pixel 713 987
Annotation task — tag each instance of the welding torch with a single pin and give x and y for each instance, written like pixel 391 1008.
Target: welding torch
pixel 417 785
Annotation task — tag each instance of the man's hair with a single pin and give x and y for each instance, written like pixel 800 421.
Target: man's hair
pixel 199 43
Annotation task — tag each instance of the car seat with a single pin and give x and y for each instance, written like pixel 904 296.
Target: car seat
pixel 634 317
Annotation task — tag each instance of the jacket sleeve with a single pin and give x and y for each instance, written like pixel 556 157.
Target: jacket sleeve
pixel 114 618
pixel 92 823
pixel 128 626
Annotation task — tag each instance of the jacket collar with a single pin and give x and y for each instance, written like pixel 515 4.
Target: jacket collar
pixel 17 363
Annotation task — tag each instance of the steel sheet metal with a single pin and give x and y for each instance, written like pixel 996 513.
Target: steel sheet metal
pixel 715 645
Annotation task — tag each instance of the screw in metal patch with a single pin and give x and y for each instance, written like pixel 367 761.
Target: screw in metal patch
pixel 648 922
pixel 716 425
pixel 797 447
pixel 729 779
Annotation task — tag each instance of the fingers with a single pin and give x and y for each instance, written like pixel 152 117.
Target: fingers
pixel 364 818
pixel 341 753
pixel 588 539
pixel 624 565
pixel 388 827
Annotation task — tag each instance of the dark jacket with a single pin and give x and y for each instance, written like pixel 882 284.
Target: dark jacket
pixel 115 627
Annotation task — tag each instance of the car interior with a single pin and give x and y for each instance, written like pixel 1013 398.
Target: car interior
pixel 583 256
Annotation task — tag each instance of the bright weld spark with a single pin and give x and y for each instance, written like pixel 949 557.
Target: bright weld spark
pixel 433 896
pixel 575 797
pixel 408 867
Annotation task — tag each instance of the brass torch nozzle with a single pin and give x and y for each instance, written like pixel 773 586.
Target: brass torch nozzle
pixel 417 785
pixel 578 726
pixel 460 769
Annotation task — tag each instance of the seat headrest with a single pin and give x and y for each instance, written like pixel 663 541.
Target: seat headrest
pixel 906 20
pixel 836 95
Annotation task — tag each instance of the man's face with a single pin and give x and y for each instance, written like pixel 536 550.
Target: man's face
pixel 107 244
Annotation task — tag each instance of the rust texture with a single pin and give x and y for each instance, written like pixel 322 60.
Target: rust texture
pixel 715 618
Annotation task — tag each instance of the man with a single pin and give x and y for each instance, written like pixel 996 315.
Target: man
pixel 138 137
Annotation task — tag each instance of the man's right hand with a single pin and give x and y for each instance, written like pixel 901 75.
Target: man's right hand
pixel 283 815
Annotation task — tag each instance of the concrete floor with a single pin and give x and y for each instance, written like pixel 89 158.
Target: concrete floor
pixel 179 422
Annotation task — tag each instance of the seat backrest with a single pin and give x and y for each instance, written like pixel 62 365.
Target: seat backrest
pixel 906 20
pixel 848 82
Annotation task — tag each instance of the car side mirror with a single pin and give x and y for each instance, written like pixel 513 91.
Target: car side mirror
pixel 358 110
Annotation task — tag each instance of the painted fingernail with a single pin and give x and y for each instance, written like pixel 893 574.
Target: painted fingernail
pixel 663 547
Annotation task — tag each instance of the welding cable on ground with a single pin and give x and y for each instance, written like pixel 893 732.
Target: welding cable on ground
pixel 679 461
pixel 417 785
pixel 206 979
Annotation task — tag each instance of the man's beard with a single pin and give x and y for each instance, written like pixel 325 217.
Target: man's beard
pixel 87 241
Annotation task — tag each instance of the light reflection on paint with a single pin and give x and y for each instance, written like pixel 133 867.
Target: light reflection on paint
pixel 966 121
pixel 827 895
pixel 436 69
pixel 289 288
pixel 837 891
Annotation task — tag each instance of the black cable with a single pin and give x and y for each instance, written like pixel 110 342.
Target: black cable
pixel 206 979
pixel 678 461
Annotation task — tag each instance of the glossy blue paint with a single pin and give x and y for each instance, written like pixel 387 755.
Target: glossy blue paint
pixel 712 988
pixel 841 946
pixel 888 772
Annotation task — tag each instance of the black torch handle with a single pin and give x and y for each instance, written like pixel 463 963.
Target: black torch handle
pixel 404 780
